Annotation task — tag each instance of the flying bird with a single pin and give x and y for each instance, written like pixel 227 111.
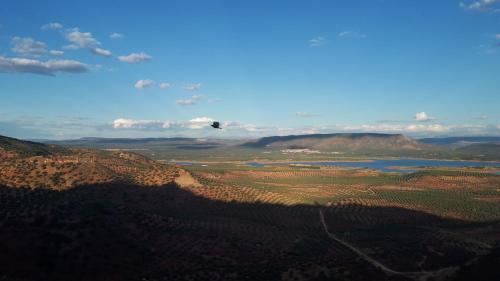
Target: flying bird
pixel 216 125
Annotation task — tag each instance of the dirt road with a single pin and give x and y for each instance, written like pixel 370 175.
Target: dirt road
pixel 414 275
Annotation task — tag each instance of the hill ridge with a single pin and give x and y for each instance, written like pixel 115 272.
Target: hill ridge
pixel 349 141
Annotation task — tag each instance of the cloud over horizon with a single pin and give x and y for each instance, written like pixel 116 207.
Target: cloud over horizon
pixel 236 128
pixel 194 124
pixel 123 123
pixel 36 127
pixel 423 117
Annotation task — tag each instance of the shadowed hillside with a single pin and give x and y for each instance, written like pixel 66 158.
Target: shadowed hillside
pixel 11 148
pixel 86 214
pixel 123 232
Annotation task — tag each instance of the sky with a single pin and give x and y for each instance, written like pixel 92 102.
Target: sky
pixel 71 69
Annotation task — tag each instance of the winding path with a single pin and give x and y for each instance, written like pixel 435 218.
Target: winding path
pixel 415 275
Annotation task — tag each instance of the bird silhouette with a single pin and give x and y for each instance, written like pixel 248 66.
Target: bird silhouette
pixel 216 125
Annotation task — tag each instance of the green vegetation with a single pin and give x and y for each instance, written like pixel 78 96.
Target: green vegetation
pixel 117 215
pixel 471 195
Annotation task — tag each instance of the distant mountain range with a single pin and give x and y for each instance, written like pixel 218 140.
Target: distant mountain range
pixel 353 144
pixel 135 142
pixel 459 141
pixel 341 142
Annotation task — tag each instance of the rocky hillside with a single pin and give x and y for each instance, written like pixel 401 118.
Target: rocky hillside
pixel 36 165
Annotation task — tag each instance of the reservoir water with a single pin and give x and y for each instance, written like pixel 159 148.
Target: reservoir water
pixel 385 165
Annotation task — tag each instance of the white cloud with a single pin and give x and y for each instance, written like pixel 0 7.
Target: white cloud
pixel 135 58
pixel 415 130
pixel 116 35
pixel 412 129
pixel 426 128
pixel 52 25
pixel 192 101
pixel 239 127
pixel 143 84
pixel 304 114
pixel 393 128
pixel 56 52
pixel 192 87
pixel 317 41
pixel 152 125
pixel 101 52
pixel 50 67
pixel 28 46
pixel 198 123
pixel 195 126
pixel 164 85
pixel 484 5
pixel 81 39
pixel 352 34
pixel 123 123
pixel 422 117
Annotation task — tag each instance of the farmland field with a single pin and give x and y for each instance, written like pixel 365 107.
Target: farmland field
pixel 85 214
pixel 460 192
pixel 425 224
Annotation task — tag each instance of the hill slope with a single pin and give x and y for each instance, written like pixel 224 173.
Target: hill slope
pixel 340 142
pixel 34 165
pixel 459 141
pixel 11 147
pixel 491 150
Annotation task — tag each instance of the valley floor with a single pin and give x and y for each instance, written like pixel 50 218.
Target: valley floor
pixel 237 222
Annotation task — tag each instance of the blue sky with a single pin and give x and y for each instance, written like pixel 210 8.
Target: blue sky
pixel 142 69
